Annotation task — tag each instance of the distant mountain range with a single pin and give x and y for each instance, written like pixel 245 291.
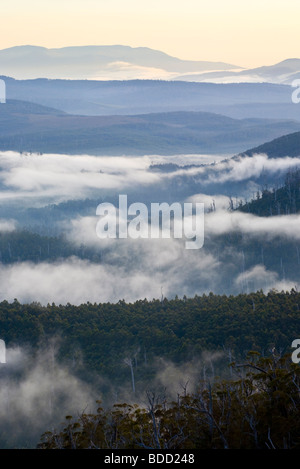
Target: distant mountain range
pixel 29 127
pixel 119 62
pixel 147 116
pixel 98 62
pixel 284 72
pixel 130 97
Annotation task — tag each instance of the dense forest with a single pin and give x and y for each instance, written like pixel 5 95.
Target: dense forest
pixel 199 349
pixel 282 200
pixel 178 330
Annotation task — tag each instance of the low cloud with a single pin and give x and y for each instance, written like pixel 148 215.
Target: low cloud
pixel 223 222
pixel 179 378
pixel 7 225
pixel 132 269
pixel 35 395
pixel 129 269
pixel 244 168
pixel 75 281
pixel 59 178
pixel 127 71
pixel 258 277
pixel 65 177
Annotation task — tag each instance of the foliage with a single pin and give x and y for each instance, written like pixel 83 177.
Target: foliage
pixel 259 409
pixel 284 200
pixel 178 330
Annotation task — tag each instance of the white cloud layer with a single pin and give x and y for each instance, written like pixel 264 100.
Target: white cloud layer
pixel 59 178
pixel 132 269
pixel 7 225
pixel 222 222
pixel 259 278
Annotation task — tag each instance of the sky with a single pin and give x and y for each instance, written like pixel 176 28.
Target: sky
pixel 247 34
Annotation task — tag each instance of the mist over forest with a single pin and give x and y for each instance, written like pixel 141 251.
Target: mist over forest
pixel 55 197
pixel 104 334
pixel 51 255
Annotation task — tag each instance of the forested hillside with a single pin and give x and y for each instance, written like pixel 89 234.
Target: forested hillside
pixel 177 330
pixel 283 200
pixel 287 145
pixel 29 127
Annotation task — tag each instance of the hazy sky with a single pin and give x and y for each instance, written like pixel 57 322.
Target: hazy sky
pixel 246 33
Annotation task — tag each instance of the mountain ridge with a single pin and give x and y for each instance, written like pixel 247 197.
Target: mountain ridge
pixel 88 62
pixel 129 97
pixel 280 147
pixel 27 127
